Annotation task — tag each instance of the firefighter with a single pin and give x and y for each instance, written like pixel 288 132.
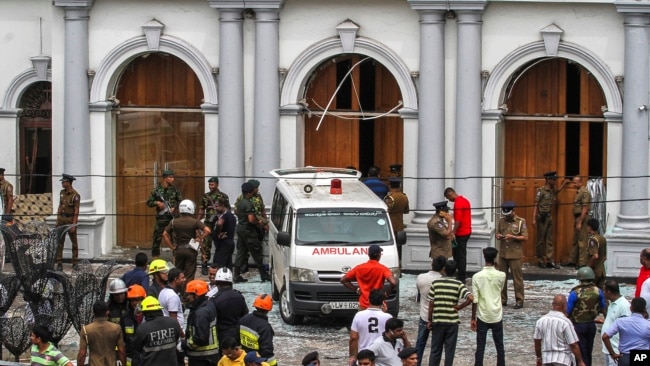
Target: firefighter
pixel 201 345
pixel 256 334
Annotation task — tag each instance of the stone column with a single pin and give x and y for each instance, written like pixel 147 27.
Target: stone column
pixel 76 126
pixel 231 96
pixel 266 133
pixel 431 105
pixel 468 136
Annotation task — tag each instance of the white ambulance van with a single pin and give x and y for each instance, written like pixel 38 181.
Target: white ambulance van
pixel 322 222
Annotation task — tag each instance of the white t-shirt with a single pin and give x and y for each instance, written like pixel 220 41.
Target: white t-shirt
pixel 385 353
pixel 423 282
pixel 171 302
pixel 370 324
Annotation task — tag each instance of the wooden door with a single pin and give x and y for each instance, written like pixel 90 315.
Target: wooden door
pixel 159 126
pixel 554 123
pixel 344 138
pixel 36 139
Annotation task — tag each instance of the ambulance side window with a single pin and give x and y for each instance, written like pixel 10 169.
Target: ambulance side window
pixel 279 210
pixel 291 214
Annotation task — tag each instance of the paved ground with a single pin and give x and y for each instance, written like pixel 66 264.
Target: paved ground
pixel 330 337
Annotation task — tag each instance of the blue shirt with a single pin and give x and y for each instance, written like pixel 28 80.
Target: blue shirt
pixel 634 333
pixel 380 188
pixel 136 276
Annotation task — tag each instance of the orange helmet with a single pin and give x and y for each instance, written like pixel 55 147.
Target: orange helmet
pixel 263 302
pixel 135 291
pixel 197 287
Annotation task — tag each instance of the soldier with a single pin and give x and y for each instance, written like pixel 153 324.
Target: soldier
pixel 68 214
pixel 165 198
pixel 260 215
pixel 7 197
pixel 248 226
pixel 440 231
pixel 585 302
pixel 545 197
pixel 208 212
pixel 597 252
pixel 512 234
pixel 398 205
pixel 581 207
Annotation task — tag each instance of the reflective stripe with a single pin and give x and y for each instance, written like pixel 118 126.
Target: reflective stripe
pixel 159 348
pixel 249 338
pixel 129 329
pixel 209 349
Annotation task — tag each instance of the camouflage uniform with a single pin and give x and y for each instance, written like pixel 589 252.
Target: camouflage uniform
pixel 544 199
pixel 173 197
pixel 260 215
pixel 598 244
pixel 579 254
pixel 588 299
pixel 208 203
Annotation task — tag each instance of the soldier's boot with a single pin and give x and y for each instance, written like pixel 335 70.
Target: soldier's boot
pixel 264 274
pixel 237 278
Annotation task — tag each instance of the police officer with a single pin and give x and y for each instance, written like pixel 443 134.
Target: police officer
pixel 157 337
pixel 545 197
pixel 255 332
pixel 581 207
pixel 440 231
pixel 165 198
pixel 597 247
pixel 202 347
pixel 68 214
pixel 398 205
pixel 7 197
pixel 248 226
pixel 584 304
pixel 512 234
pixel 208 213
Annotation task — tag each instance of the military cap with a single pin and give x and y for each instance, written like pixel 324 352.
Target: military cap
pixel 2 171
pixel 407 352
pixel 67 178
pixel 168 172
pixel 247 188
pixel 395 168
pixel 507 207
pixel 310 358
pixel 213 179
pixel 442 206
pixel 254 182
pixel 550 175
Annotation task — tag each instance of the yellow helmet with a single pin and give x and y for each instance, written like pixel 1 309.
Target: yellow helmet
pixel 158 265
pixel 150 303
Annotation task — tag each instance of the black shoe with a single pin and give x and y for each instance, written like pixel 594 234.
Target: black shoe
pixel 542 265
pixel 519 305
pixel 570 264
pixel 204 269
pixel 239 279
pixel 552 265
pixel 244 268
pixel 504 304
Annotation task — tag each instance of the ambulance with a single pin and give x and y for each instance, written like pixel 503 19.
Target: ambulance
pixel 322 222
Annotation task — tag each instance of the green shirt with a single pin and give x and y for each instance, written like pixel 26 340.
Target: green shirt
pixel 51 356
pixel 445 293
pixel 486 288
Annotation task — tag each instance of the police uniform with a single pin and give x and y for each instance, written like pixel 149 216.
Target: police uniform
pixel 439 228
pixel 208 203
pixel 163 217
pixel 597 244
pixel 67 214
pixel 510 251
pixel 544 200
pixel 7 197
pixel 579 252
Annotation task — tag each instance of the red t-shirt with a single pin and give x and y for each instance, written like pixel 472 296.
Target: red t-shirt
pixel 463 214
pixel 370 276
pixel 644 274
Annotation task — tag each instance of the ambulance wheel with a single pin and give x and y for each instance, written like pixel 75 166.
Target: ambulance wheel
pixel 286 310
pixel 275 295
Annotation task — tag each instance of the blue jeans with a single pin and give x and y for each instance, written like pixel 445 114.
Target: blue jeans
pixel 447 335
pixel 423 337
pixel 481 335
pixel 586 333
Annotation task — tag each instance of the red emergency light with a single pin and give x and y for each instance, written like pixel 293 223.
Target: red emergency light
pixel 335 186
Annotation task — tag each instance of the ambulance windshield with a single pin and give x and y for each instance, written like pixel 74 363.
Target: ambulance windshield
pixel 342 226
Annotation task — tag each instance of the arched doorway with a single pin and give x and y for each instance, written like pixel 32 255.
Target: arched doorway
pixel 554 122
pixel 159 125
pixel 361 127
pixel 35 135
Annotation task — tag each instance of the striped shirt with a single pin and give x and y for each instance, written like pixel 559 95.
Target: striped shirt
pixel 445 293
pixel 557 334
pixel 51 357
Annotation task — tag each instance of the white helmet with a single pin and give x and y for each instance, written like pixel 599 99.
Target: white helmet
pixel 223 275
pixel 186 207
pixel 117 286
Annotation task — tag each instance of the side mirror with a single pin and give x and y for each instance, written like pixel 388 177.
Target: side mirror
pixel 401 238
pixel 284 238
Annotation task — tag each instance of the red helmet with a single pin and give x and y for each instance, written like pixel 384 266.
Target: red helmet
pixel 197 287
pixel 263 302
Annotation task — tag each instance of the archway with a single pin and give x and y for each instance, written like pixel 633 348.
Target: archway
pixel 361 127
pixel 159 125
pixel 554 122
pixel 35 134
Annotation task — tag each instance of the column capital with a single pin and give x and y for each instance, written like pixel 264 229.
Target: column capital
pixel 209 108
pixel 632 6
pixel 74 3
pixel 495 115
pixel 227 4
pixel 264 4
pixel 430 5
pixel 468 5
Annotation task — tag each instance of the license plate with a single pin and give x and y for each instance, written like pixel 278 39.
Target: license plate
pixel 341 305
